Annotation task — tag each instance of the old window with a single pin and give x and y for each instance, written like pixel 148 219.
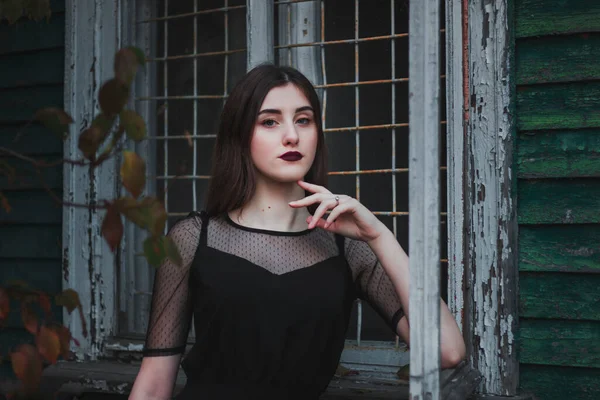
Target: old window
pixel 356 53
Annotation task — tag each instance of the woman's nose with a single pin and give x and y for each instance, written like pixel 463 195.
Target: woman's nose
pixel 291 135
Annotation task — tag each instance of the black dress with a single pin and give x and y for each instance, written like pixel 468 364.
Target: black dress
pixel 270 309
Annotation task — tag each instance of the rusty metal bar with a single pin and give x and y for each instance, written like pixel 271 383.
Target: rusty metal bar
pixel 366 127
pixel 192 14
pixel 377 82
pixel 291 2
pixel 226 42
pixel 376 171
pixel 189 97
pixel 357 137
pixel 207 54
pixel 344 41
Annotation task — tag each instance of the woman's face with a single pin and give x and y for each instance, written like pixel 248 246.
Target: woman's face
pixel 284 141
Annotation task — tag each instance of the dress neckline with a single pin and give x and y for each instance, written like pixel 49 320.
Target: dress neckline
pixel 264 231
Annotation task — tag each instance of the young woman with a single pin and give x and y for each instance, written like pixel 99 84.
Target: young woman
pixel 269 276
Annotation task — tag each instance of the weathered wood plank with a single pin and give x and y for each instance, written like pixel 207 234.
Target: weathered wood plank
pixel 34 139
pixel 567 248
pixel 558 59
pixel 26 176
pixel 30 35
pixel 45 275
pixel 548 17
pixel 565 201
pixel 17 105
pixel 560 296
pixel 566 343
pixel 29 69
pixel 560 106
pixel 560 383
pixel 555 154
pixel 31 207
pixel 27 242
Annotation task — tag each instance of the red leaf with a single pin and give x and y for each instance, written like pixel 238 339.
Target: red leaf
pixel 30 320
pixel 48 344
pixel 112 227
pixel 4 203
pixel 113 96
pixel 27 365
pixel 45 303
pixel 4 305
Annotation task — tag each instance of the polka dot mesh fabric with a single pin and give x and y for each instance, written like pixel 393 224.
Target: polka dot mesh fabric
pixel 277 252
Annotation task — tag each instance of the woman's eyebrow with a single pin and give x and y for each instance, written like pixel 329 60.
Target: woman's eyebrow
pixel 276 111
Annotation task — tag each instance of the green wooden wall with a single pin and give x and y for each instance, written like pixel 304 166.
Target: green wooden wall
pixel 31 76
pixel 557 55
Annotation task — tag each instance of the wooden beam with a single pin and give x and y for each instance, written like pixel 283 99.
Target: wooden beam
pixel 424 199
pixel 491 203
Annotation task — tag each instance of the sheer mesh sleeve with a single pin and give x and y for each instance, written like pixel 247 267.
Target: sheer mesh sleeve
pixel 373 283
pixel 171 310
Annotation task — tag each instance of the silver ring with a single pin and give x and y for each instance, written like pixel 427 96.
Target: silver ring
pixel 337 199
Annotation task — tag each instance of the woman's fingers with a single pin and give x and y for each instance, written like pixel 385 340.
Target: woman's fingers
pixel 312 187
pixel 336 212
pixel 307 201
pixel 320 211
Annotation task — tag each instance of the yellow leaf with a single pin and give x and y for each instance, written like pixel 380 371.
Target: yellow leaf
pixel 134 125
pixel 133 173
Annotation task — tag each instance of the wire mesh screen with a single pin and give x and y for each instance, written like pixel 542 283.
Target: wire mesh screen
pixel 362 51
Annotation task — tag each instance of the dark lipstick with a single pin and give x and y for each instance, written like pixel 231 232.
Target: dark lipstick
pixel 291 156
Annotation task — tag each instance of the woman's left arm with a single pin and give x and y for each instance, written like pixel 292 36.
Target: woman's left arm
pixel 395 262
pixel 349 218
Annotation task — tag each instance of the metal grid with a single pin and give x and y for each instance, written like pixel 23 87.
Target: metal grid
pixel 168 177
pixel 358 128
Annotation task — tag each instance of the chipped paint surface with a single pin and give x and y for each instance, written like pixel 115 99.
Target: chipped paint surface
pixel 491 208
pixel 88 265
pixel 455 157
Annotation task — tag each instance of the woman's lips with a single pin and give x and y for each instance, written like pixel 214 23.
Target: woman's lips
pixel 291 156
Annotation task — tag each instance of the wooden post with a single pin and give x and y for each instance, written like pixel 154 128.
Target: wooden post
pixel 424 198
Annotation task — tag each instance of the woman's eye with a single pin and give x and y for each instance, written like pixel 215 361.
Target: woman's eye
pixel 269 123
pixel 303 121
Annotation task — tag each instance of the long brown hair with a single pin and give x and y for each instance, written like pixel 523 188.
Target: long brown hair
pixel 233 180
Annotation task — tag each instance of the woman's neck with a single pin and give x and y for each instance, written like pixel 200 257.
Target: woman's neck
pixel 269 209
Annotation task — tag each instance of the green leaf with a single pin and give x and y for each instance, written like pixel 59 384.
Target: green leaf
pixel 134 125
pixel 103 122
pixel 154 250
pixel 141 57
pixel 172 251
pixel 113 96
pixel 68 299
pixel 149 213
pixel 55 119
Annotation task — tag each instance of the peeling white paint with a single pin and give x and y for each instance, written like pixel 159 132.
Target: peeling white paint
pixel 91 42
pixel 491 214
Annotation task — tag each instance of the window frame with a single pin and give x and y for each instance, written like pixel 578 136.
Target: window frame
pixel 96 30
